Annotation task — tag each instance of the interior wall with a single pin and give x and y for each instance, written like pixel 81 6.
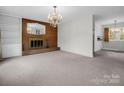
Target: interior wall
pixel 11 36
pixel 114 45
pixel 98 33
pixel 0 45
pixel 76 36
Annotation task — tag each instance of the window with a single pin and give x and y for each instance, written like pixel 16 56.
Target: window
pixel 116 34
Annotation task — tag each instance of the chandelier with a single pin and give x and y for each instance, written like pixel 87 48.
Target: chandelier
pixel 55 17
pixel 115 25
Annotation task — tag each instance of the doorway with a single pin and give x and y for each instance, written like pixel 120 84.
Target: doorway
pixel 114 38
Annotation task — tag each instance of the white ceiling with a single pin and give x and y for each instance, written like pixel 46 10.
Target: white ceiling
pixel 68 12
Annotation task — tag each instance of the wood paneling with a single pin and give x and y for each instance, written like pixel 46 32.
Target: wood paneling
pixel 37 51
pixel 50 36
pixel 106 34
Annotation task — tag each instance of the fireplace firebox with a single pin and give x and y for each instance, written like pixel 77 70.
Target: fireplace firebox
pixel 36 43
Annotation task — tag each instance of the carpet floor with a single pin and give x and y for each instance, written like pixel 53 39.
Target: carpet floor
pixel 60 68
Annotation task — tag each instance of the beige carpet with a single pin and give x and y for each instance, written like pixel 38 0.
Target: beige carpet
pixel 62 68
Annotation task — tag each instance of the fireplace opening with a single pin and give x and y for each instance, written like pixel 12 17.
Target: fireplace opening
pixel 35 43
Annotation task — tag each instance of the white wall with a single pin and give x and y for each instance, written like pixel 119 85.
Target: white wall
pixel 98 32
pixel 11 36
pixel 76 36
pixel 0 46
pixel 114 45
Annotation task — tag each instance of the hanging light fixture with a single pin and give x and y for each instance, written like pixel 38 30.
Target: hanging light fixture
pixel 55 17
